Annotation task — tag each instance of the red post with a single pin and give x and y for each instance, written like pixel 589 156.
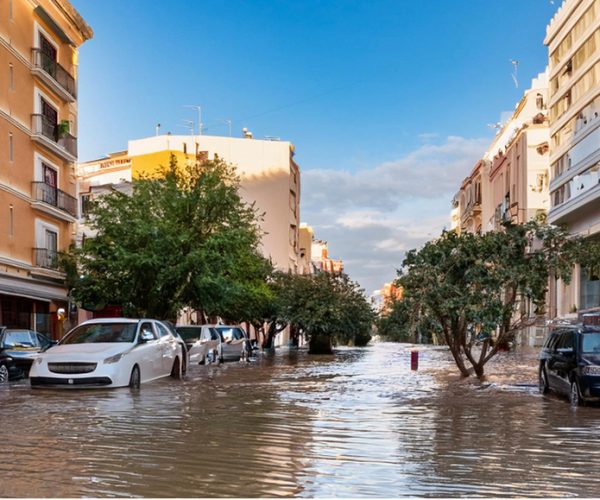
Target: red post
pixel 414 360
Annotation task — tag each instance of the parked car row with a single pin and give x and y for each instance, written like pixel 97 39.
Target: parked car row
pixel 209 343
pixel 116 352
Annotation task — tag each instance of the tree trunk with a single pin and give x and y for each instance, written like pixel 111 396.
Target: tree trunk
pixel 320 344
pixel 270 336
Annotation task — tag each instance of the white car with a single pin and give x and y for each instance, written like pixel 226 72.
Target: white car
pixel 110 352
pixel 202 341
pixel 234 343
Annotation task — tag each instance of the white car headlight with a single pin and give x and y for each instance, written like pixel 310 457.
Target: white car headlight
pixel 113 359
pixel 591 370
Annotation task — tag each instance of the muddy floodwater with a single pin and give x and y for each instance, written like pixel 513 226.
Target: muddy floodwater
pixel 357 424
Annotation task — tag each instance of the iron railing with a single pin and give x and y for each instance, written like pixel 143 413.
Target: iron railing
pixel 56 71
pixel 41 125
pixel 46 258
pixel 55 197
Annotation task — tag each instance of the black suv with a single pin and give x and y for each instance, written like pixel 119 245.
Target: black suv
pixel 570 363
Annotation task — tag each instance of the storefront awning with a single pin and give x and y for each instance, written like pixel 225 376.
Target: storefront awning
pixel 30 289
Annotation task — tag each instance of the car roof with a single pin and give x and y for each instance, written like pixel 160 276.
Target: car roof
pixel 115 320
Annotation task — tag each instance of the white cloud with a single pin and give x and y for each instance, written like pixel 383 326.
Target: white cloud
pixel 382 212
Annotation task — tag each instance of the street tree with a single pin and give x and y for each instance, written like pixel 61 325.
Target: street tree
pixel 327 308
pixel 181 238
pixel 477 291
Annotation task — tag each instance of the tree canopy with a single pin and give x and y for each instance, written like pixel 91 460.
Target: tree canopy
pixel 476 291
pixel 327 308
pixel 182 238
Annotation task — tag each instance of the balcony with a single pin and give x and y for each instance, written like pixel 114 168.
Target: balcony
pixel 45 258
pixel 53 201
pixel 54 75
pixel 46 133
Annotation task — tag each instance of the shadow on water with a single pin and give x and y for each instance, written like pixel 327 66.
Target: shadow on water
pixel 356 424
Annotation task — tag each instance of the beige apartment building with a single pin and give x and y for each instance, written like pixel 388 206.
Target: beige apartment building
pixel 573 40
pixel 510 182
pixel 39 42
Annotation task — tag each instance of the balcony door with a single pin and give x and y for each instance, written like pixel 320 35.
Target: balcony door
pixel 50 187
pixel 51 248
pixel 49 56
pixel 49 119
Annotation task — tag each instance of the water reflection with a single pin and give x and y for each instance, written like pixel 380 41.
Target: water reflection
pixel 357 424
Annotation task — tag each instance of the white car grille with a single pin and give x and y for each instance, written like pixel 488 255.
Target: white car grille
pixel 72 367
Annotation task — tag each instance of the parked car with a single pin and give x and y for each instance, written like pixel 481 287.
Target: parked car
pixel 110 352
pixel 181 342
pixel 570 363
pixel 22 346
pixel 202 342
pixel 234 343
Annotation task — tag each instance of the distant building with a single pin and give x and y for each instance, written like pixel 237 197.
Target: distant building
pixel 321 260
pixel 390 292
pixel 573 40
pixel 39 43
pixel 305 236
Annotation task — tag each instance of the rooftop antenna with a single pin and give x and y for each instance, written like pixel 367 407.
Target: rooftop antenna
pixel 189 124
pixel 515 64
pixel 199 109
pixel 228 122
pixel 157 128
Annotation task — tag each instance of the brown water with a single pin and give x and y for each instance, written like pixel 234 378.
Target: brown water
pixel 357 424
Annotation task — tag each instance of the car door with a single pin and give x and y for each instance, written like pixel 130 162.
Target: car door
pixel 148 354
pixel 551 359
pixel 564 358
pixel 168 347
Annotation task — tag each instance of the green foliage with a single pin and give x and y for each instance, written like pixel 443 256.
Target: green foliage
pixel 327 308
pixel 184 238
pixel 474 291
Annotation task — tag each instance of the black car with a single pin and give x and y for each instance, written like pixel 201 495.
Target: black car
pixel 18 349
pixel 570 363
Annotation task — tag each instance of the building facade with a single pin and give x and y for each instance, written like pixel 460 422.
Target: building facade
pixel 39 42
pixel 511 180
pixel 573 40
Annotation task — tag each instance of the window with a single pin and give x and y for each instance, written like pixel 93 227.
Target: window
pixel 11 151
pixel 86 202
pixel 11 77
pixel 162 330
pixel 146 329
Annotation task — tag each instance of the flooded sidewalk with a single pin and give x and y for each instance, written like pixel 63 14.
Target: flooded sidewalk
pixel 356 424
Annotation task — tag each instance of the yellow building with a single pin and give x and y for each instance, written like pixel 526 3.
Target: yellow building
pixel 39 42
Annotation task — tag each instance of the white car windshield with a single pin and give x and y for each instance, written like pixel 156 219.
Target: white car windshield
pixel 102 332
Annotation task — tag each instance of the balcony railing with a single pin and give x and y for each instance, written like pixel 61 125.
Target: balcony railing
pixel 56 71
pixel 55 197
pixel 46 258
pixel 41 125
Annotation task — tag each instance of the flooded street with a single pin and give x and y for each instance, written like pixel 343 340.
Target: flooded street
pixel 356 424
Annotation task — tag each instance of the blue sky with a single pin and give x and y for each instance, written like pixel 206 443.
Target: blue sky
pixel 387 102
